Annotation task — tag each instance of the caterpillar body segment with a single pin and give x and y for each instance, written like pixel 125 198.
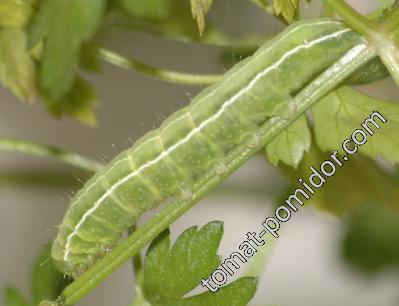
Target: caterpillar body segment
pixel 195 139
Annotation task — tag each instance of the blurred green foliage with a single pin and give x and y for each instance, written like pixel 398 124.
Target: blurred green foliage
pixel 46 282
pixel 17 68
pixel 370 240
pixel 359 180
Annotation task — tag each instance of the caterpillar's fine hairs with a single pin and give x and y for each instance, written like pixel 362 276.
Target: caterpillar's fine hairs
pixel 168 161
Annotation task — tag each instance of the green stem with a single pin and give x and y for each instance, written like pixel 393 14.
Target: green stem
pixel 355 20
pixel 212 37
pixel 389 53
pixel 32 148
pixel 382 39
pixel 164 75
pixel 137 263
pixel 326 82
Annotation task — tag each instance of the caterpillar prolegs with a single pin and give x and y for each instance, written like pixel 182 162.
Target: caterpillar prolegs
pixel 169 160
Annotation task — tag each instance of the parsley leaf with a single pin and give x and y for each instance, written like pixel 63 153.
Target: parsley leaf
pixel 65 25
pixel 336 117
pixel 171 273
pixel 290 146
pixel 343 111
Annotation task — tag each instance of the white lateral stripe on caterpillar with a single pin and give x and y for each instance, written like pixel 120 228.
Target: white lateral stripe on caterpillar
pixel 298 28
pixel 193 132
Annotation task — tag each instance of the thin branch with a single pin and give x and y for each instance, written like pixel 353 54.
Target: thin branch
pixel 137 263
pixel 355 20
pixel 327 81
pixel 32 148
pixel 164 75
pixel 212 37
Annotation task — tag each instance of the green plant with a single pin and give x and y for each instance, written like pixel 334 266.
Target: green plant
pixel 54 38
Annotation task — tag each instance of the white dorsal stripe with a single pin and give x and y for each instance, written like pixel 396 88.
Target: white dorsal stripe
pixel 192 133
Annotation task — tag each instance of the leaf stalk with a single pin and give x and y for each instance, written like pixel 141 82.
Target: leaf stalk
pixel 32 148
pixel 161 74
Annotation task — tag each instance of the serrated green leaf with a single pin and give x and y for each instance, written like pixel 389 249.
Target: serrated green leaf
pixel 238 293
pixel 287 8
pixel 290 146
pixel 17 69
pixel 12 297
pixel 370 238
pixel 68 25
pixel 147 9
pixel 16 13
pixel 171 273
pixel 77 103
pixel 343 111
pixel 199 8
pixel 47 282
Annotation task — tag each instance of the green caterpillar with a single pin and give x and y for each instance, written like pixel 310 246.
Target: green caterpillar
pixel 167 161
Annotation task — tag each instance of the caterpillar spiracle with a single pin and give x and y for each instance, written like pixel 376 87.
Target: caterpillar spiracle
pixel 167 161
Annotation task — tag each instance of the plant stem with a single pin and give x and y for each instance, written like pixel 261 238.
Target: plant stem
pixel 161 74
pixel 355 20
pixel 137 263
pixel 382 39
pixel 325 82
pixel 212 37
pixel 389 53
pixel 32 148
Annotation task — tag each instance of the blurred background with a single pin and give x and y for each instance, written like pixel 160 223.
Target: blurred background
pixel 304 268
